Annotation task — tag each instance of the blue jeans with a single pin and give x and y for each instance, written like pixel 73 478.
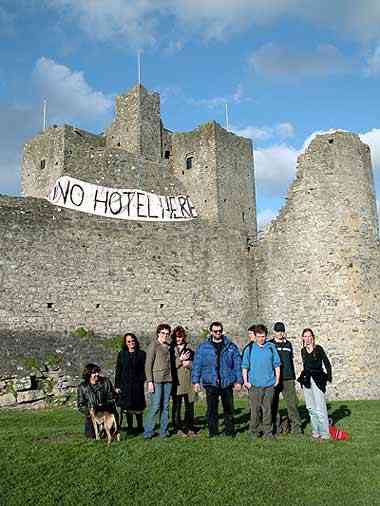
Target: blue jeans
pixel 159 402
pixel 316 406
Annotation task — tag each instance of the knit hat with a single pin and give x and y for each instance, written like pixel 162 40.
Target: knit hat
pixel 279 327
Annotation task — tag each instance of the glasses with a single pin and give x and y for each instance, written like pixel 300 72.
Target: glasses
pixel 218 331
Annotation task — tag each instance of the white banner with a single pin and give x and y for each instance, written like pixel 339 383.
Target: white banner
pixel 116 203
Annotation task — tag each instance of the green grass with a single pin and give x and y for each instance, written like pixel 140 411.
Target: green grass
pixel 45 460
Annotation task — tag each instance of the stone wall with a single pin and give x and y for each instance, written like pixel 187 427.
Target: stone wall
pixel 318 264
pixel 62 270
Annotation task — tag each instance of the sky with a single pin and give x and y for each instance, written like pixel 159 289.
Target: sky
pixel 287 69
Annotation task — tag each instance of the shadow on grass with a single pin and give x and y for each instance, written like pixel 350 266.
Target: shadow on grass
pixel 59 438
pixel 338 414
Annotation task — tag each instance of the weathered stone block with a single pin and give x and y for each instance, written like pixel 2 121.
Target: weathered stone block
pixel 30 396
pixel 7 400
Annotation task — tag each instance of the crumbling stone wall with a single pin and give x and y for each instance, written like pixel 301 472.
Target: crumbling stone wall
pixel 318 264
pixel 62 270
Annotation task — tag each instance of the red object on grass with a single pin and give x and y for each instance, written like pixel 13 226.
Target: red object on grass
pixel 337 434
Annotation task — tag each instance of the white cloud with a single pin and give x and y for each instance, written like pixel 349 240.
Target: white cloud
pixel 264 133
pixel 69 95
pixel 255 133
pixel 372 138
pixel 291 62
pixel 275 168
pixel 70 99
pixel 236 97
pixel 285 130
pixel 139 23
pixel 265 217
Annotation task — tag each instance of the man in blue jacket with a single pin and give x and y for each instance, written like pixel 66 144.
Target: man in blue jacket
pixel 217 365
pixel 261 373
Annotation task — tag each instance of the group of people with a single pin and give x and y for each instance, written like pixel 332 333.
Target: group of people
pixel 171 369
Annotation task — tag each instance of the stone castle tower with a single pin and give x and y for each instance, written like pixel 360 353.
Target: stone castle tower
pixel 317 265
pixel 213 166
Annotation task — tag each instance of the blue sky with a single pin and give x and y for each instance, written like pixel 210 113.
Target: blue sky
pixel 286 68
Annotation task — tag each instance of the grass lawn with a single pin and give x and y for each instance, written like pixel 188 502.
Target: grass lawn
pixel 45 460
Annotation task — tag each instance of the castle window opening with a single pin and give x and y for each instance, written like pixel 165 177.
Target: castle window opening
pixel 189 162
pixel 97 306
pixel 50 305
pixel 167 154
pixel 331 141
pixel 161 306
pixel 119 144
pixel 43 164
pixel 243 216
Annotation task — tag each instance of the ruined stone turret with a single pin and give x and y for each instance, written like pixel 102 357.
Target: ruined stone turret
pixel 317 264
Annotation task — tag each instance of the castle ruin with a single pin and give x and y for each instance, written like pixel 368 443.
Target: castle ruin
pixel 316 266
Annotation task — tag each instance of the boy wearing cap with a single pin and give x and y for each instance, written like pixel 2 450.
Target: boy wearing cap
pixel 286 385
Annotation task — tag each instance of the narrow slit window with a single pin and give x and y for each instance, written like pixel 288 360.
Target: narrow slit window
pixel 43 164
pixel 189 162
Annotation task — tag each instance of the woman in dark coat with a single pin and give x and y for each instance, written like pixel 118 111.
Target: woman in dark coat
pixel 129 381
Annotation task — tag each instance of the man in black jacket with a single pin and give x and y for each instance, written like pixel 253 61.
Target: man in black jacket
pixel 286 385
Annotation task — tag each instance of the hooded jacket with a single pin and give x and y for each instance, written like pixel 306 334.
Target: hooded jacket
pixel 205 364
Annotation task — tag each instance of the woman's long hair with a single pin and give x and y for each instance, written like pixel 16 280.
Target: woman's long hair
pixel 303 351
pixel 178 329
pixel 133 336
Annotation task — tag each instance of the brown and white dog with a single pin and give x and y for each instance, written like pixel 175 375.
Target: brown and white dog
pixel 104 420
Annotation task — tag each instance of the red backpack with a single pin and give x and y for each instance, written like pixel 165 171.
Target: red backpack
pixel 337 434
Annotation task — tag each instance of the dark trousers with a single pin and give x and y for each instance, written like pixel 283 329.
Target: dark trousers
pixel 188 422
pixel 139 420
pixel 212 397
pixel 261 399
pixel 288 390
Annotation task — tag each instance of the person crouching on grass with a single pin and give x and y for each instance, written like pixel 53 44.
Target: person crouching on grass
pixel 95 391
pixel 261 374
pixel 159 377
